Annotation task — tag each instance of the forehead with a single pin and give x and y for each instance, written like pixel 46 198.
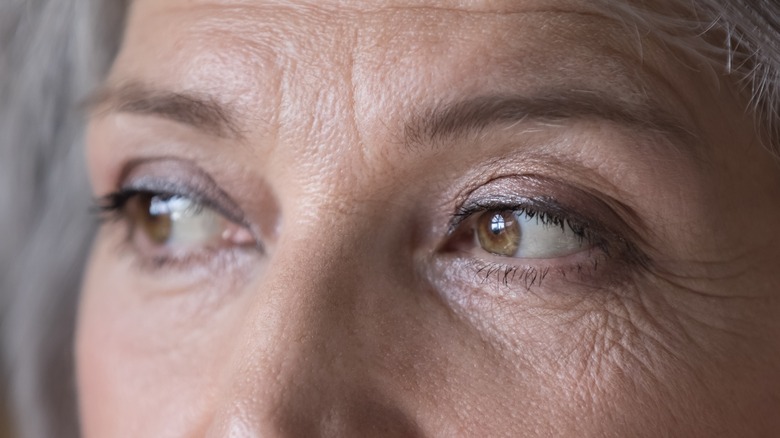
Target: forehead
pixel 378 28
pixel 374 5
pixel 399 51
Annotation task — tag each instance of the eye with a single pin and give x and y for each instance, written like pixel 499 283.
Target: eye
pixel 177 221
pixel 168 226
pixel 526 234
pixel 518 233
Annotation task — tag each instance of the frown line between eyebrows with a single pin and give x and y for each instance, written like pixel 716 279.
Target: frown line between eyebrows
pixel 456 119
pixel 197 110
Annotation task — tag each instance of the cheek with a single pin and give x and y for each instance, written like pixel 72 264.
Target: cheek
pixel 137 377
pixel 595 363
pixel 151 366
pixel 632 361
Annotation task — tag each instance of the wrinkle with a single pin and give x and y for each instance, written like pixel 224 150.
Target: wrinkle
pixel 352 91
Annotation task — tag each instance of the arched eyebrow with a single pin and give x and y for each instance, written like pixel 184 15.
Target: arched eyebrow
pixel 198 110
pixel 474 115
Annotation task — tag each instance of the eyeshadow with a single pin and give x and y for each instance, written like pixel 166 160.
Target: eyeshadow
pixel 179 177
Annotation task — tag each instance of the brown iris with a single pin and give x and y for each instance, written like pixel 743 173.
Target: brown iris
pixel 146 216
pixel 498 232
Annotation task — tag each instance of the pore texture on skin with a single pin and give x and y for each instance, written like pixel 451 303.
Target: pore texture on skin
pixel 424 218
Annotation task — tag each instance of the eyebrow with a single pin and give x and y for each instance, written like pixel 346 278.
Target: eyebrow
pixel 198 110
pixel 438 123
pixel 449 120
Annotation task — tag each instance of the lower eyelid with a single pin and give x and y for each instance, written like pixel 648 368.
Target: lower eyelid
pixel 201 263
pixel 591 268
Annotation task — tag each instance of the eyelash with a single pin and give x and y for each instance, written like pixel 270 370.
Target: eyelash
pixel 530 208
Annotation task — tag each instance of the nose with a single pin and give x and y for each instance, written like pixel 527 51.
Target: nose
pixel 311 347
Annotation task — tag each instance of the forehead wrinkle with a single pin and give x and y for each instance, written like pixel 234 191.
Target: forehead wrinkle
pixel 276 38
pixel 341 6
pixel 347 10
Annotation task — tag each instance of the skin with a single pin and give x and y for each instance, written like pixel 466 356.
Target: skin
pixel 359 312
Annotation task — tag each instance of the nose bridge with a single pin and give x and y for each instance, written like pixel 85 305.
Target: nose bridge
pixel 298 364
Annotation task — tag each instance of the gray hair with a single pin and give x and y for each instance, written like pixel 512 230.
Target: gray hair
pixel 53 52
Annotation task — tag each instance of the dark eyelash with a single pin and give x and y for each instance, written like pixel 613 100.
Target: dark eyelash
pixel 528 277
pixel 109 207
pixel 505 274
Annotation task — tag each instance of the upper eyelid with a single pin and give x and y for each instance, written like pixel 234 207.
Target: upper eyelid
pixel 174 176
pixel 559 197
pixel 185 192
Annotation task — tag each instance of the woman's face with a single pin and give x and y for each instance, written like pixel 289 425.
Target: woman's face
pixel 424 217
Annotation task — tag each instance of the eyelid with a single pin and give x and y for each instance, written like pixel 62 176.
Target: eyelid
pixel 464 225
pixel 168 176
pixel 176 177
pixel 171 189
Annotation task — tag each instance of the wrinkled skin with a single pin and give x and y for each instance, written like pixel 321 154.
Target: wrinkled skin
pixel 355 309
